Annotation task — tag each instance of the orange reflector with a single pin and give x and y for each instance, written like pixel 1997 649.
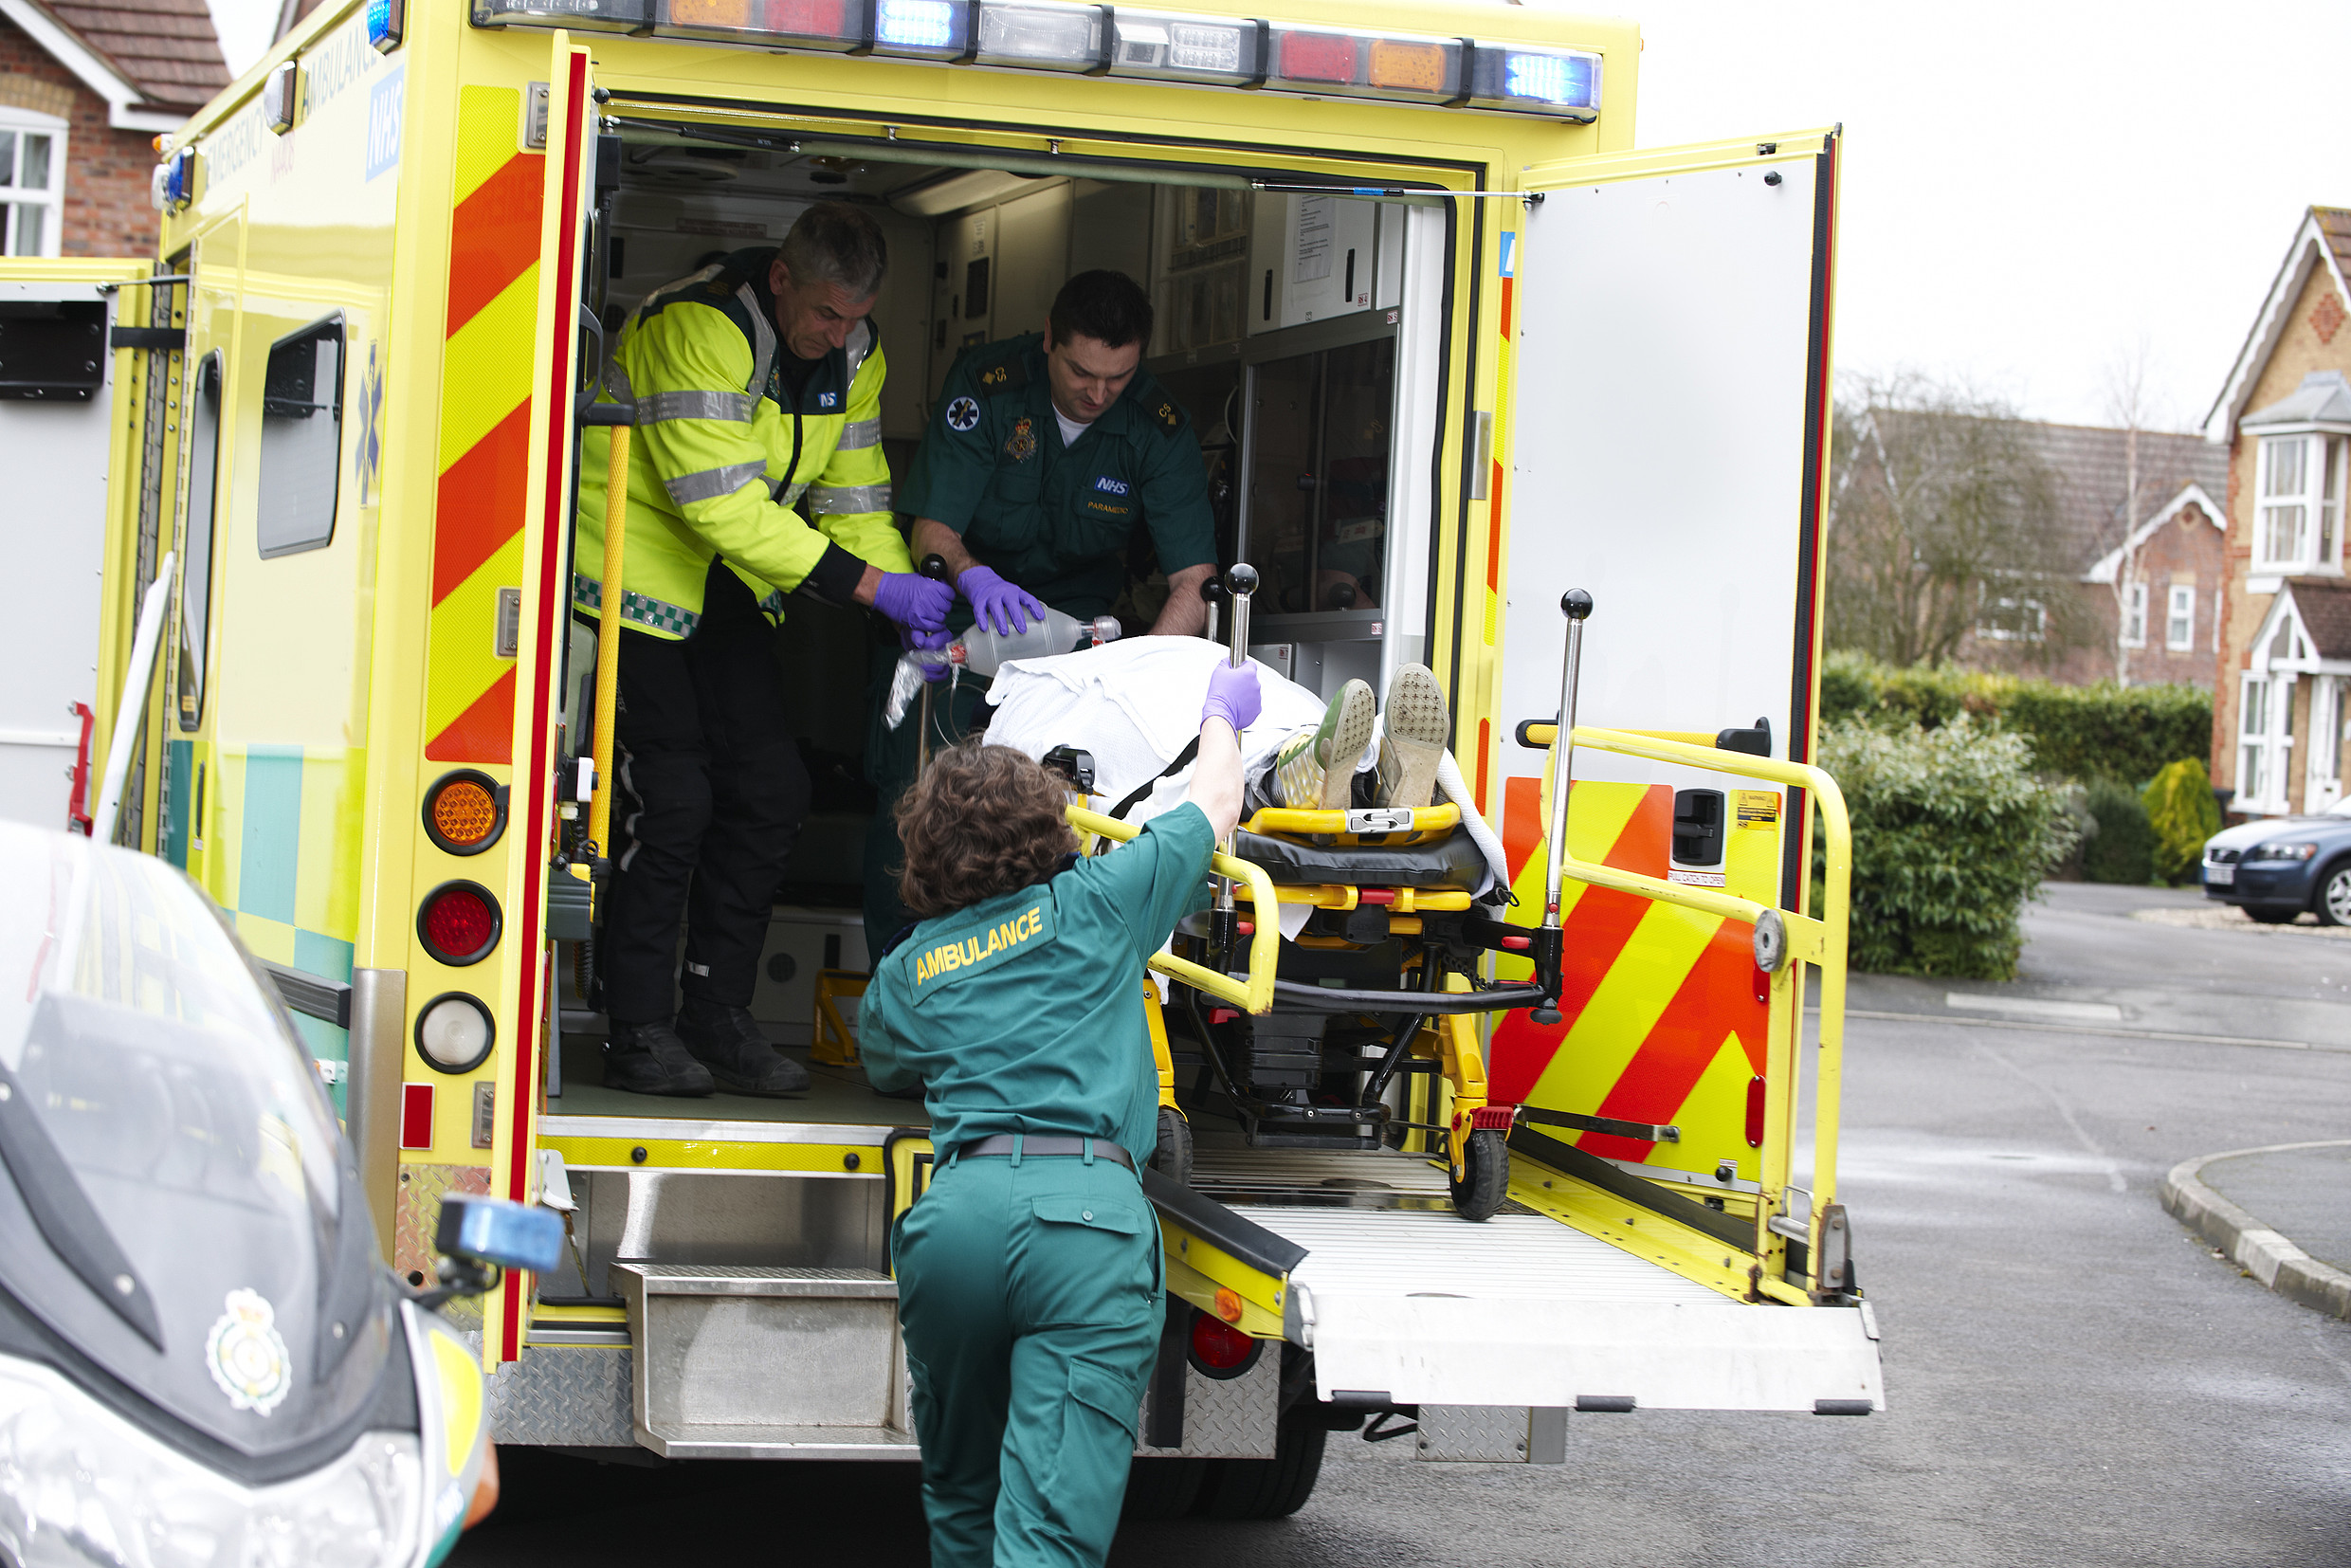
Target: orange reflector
pixel 1228 1303
pixel 1417 66
pixel 465 812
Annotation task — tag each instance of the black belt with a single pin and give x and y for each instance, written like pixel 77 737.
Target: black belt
pixel 1032 1146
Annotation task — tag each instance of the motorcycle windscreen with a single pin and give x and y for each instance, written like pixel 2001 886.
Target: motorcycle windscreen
pixel 175 1201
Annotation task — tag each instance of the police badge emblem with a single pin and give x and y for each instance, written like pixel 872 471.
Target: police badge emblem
pixel 962 415
pixel 1023 443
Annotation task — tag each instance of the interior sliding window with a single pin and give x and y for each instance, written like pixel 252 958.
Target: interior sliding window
pixel 196 595
pixel 301 440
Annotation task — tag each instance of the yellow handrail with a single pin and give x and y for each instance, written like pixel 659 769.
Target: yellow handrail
pixel 1264 945
pixel 1820 940
pixel 608 639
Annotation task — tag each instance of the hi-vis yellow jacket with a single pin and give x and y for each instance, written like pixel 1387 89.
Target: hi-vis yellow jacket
pixel 722 455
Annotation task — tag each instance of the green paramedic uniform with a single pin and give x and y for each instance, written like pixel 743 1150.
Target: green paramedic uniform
pixel 1057 521
pixel 1030 1289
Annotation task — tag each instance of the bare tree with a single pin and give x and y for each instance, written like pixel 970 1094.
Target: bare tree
pixel 1942 521
pixel 2130 407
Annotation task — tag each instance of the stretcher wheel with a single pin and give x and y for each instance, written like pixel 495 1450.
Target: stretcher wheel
pixel 1173 1158
pixel 1268 1488
pixel 1484 1178
pixel 1158 1489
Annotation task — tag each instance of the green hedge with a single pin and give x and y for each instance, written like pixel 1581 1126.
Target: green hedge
pixel 2102 731
pixel 1952 833
pixel 2123 849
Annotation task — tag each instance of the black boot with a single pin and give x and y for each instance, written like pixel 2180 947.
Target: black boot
pixel 725 1040
pixel 651 1058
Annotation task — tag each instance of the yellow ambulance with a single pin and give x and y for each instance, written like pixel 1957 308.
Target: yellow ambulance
pixel 1453 346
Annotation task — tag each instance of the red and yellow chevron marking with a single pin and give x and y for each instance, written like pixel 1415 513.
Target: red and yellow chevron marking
pixel 486 392
pixel 1661 1018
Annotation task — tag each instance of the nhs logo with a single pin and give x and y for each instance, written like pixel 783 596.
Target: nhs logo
pixel 385 101
pixel 826 400
pixel 1110 486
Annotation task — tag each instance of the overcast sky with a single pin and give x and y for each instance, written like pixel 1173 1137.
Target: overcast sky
pixel 2032 191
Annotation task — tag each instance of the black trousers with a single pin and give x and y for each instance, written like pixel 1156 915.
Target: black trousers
pixel 712 794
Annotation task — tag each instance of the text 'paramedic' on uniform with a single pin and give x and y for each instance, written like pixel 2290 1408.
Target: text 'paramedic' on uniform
pixel 1030 1277
pixel 1047 455
pixel 758 386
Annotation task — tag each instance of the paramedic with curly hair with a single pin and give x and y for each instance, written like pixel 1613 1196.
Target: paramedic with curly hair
pixel 1029 1274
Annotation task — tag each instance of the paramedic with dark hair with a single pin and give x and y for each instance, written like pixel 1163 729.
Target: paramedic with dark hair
pixel 1030 1288
pixel 1045 455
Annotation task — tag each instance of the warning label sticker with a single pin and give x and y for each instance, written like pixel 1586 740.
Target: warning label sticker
pixel 1758 808
pixel 1695 879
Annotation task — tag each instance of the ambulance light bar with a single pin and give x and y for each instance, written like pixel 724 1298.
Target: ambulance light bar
pixel 1108 40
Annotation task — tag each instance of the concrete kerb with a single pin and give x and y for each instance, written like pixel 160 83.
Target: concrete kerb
pixel 2259 1250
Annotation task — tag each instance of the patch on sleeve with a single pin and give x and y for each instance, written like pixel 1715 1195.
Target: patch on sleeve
pixel 1167 415
pixel 938 965
pixel 962 415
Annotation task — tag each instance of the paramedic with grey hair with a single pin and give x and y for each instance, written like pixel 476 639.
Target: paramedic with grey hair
pixel 756 469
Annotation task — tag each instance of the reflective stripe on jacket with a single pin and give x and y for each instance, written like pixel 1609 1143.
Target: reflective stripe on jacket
pixel 720 457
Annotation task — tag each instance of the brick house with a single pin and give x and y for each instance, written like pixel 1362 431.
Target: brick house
pixel 2285 419
pixel 85 86
pixel 2161 627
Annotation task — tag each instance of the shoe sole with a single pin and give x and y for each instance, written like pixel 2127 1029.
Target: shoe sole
pixel 1412 743
pixel 1343 746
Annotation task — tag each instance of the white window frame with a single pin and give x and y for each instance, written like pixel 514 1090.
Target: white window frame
pixel 2179 619
pixel 2134 616
pixel 2322 781
pixel 2265 741
pixel 51 200
pixel 2309 501
pixel 2032 616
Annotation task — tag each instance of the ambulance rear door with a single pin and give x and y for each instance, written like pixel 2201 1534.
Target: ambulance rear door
pixel 1667 437
pixel 69 382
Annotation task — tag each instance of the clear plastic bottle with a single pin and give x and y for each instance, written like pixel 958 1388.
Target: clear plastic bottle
pixel 984 651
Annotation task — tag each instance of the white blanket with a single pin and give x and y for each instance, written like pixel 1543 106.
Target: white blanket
pixel 1136 703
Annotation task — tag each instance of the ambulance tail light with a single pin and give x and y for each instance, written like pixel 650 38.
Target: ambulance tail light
pixel 1042 37
pixel 1417 70
pixel 577 15
pixel 459 923
pixel 465 811
pixel 454 1032
pixel 1188 48
pixel 1564 83
pixel 1219 1350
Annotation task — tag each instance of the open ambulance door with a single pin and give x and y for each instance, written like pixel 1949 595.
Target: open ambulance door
pixel 539 636
pixel 81 444
pixel 1667 441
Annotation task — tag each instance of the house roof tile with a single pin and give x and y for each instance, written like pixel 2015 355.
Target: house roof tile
pixel 166 48
pixel 2324 604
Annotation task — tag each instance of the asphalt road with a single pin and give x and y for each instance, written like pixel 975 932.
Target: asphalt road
pixel 2071 1379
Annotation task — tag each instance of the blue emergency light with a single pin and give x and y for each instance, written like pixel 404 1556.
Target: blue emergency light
pixel 387 19
pixel 914 24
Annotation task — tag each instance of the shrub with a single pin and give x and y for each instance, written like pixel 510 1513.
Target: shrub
pixel 1951 834
pixel 2123 849
pixel 2183 814
pixel 2102 731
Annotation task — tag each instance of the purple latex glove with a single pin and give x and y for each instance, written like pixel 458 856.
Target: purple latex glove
pixel 931 641
pixel 1233 697
pixel 914 601
pixel 1006 608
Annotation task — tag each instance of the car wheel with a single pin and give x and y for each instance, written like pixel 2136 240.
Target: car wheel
pixel 2260 915
pixel 2333 903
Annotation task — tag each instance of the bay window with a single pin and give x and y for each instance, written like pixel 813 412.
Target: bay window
pixel 2298 524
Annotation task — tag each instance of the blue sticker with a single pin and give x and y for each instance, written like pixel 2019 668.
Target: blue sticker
pixel 385 102
pixel 1509 254
pixel 1110 486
